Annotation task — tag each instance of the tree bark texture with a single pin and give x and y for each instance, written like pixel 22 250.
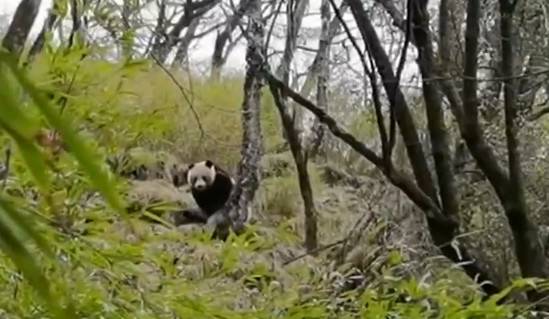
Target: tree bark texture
pixel 53 17
pixel 20 26
pixel 442 229
pixel 528 247
pixel 323 55
pixel 239 203
pixel 440 141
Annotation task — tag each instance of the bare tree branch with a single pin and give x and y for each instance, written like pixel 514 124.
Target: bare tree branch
pixel 192 11
pixel 294 18
pixel 223 37
pixel 396 98
pixel 182 54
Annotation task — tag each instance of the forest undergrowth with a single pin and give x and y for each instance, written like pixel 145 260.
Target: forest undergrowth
pixel 71 248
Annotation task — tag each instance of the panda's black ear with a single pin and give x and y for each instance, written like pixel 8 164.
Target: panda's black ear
pixel 190 166
pixel 175 180
pixel 209 163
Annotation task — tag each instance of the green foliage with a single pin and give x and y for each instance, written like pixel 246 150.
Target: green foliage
pixel 63 239
pixel 281 196
pixel 22 129
pixel 364 126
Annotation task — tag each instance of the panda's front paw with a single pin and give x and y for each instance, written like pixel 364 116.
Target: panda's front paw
pixel 189 216
pixel 218 218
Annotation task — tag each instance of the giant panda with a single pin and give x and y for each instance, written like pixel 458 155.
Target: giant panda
pixel 211 187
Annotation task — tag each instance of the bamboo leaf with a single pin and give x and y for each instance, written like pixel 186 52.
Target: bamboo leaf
pixel 25 225
pixel 80 150
pixel 13 246
pixel 32 156
pixel 22 129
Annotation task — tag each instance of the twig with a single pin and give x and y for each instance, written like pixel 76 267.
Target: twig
pixel 270 33
pixel 342 241
pixel 351 38
pixel 386 143
pixel 185 96
pixel 315 251
pixel 400 68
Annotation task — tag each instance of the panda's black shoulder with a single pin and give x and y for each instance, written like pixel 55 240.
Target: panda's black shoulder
pixel 222 175
pixel 221 171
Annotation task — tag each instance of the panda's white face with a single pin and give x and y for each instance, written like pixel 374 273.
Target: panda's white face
pixel 201 175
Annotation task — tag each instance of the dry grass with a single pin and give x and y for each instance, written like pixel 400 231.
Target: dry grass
pixel 141 105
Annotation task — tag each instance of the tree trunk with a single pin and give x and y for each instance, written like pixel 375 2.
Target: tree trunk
pixel 160 31
pixel 323 55
pixel 182 54
pixel 529 249
pixel 300 159
pixel 240 201
pixel 443 226
pixel 21 24
pixel 314 73
pixel 127 40
pixel 440 141
pixel 315 67
pixel 291 134
pixel 403 115
pixel 76 16
pixel 53 16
